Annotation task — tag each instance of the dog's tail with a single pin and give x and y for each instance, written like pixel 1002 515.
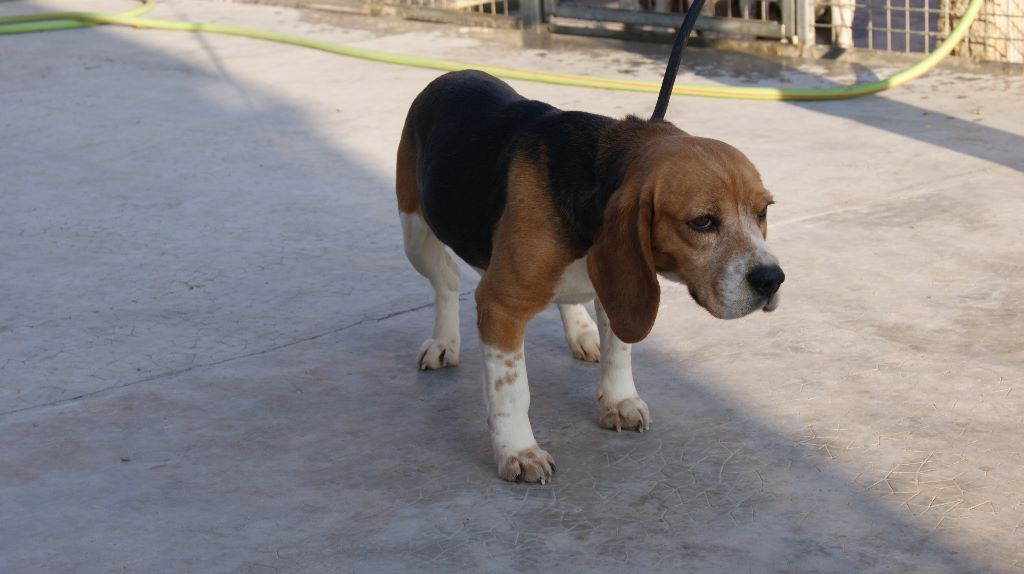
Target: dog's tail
pixel 673 60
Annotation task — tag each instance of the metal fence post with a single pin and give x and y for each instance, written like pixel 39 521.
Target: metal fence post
pixel 531 14
pixel 805 22
pixel 788 16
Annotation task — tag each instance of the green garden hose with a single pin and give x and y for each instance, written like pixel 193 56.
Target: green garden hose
pixel 64 20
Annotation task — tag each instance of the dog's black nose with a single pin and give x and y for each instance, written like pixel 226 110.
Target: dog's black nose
pixel 766 279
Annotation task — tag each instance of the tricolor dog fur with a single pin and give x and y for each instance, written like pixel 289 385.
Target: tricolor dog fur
pixel 569 207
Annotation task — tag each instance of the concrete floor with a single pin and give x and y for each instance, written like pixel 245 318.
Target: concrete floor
pixel 208 328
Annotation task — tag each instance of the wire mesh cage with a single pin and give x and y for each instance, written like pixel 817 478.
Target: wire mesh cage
pixel 885 25
pixel 920 25
pixel 997 34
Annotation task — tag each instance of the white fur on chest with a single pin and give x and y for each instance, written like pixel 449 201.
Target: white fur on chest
pixel 574 285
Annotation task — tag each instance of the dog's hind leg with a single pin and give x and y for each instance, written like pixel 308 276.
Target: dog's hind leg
pixel 580 332
pixel 429 256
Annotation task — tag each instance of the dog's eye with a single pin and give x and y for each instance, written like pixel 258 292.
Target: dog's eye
pixel 704 224
pixel 763 215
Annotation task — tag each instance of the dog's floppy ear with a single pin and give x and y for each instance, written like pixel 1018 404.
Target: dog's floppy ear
pixel 621 263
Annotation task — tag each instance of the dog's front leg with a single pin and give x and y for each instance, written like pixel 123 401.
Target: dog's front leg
pixel 529 256
pixel 506 389
pixel 508 404
pixel 620 404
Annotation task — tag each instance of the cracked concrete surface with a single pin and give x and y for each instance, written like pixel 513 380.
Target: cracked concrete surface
pixel 208 329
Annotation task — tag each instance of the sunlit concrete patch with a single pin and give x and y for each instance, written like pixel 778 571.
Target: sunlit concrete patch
pixel 208 326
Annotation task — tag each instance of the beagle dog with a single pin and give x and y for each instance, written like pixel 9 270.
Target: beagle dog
pixel 556 206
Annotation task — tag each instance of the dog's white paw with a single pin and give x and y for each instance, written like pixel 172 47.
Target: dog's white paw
pixel 528 465
pixel 435 354
pixel 631 413
pixel 586 345
pixel 580 333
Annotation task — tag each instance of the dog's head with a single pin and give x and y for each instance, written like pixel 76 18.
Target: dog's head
pixel 693 210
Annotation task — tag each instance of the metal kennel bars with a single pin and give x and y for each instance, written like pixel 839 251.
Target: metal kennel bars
pixel 886 25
